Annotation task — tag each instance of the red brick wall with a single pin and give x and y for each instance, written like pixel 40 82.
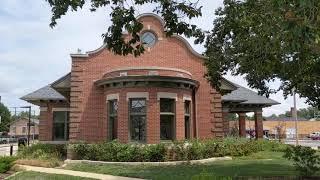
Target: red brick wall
pixel 46 119
pixel 88 103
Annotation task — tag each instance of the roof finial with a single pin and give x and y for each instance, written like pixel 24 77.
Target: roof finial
pixel 79 51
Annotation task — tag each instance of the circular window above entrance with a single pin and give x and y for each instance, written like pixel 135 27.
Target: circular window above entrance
pixel 149 39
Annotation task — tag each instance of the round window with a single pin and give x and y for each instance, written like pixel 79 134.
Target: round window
pixel 148 39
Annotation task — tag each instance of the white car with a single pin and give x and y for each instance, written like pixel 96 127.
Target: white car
pixel 314 134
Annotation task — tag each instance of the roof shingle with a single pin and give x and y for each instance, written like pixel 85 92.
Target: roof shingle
pixel 45 93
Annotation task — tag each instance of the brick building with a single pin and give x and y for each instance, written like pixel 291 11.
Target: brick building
pixel 160 95
pixel 19 128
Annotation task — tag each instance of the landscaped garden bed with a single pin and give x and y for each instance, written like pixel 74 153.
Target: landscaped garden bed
pixel 176 151
pixel 250 158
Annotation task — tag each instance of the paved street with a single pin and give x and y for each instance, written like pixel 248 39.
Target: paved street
pixel 5 149
pixel 310 143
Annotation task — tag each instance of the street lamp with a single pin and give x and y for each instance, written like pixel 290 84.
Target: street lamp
pixel 28 107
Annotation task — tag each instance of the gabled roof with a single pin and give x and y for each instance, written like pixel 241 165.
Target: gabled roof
pixel 246 96
pixel 45 93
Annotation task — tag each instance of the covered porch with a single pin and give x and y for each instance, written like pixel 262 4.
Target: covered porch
pixel 242 101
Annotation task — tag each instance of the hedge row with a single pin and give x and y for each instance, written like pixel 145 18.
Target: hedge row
pixel 184 150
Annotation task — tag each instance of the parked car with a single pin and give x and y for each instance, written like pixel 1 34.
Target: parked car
pixel 317 137
pixel 314 134
pixel 7 139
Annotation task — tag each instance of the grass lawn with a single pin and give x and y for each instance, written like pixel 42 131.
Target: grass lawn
pixel 30 175
pixel 258 164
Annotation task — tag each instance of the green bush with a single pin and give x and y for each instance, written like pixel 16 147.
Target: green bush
pixel 43 151
pixel 117 152
pixel 154 153
pixel 6 162
pixel 306 161
pixel 176 151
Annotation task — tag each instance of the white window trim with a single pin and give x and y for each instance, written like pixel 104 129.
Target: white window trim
pixel 60 109
pixel 167 95
pixel 137 95
pixel 186 98
pixel 113 96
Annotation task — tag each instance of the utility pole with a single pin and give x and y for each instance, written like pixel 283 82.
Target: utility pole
pixel 29 123
pixel 15 111
pixel 295 115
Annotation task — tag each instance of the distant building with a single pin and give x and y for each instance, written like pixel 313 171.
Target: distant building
pixel 285 127
pixel 19 128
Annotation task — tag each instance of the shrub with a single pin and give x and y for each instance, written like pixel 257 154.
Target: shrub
pixel 176 151
pixel 43 151
pixel 154 153
pixel 117 152
pixel 6 162
pixel 306 161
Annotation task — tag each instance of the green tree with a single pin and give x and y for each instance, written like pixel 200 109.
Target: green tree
pixel 267 41
pixel 5 118
pixel 123 17
pixel 25 114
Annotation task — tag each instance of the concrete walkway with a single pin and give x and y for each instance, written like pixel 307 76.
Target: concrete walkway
pixel 74 173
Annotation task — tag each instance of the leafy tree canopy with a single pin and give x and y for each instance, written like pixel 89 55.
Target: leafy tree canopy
pixel 123 17
pixel 5 118
pixel 267 41
pixel 307 113
pixel 262 40
pixel 25 114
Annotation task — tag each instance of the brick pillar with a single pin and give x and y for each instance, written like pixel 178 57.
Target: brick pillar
pixel 180 118
pixel 258 124
pixel 242 124
pixel 123 123
pixel 153 120
pixel 44 122
pixel 226 129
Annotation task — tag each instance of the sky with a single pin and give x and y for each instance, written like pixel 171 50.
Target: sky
pixel 33 55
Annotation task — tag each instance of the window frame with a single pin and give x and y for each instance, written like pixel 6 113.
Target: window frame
pixel 187 115
pixel 115 116
pixel 146 44
pixel 130 114
pixel 173 113
pixel 23 129
pixel 66 125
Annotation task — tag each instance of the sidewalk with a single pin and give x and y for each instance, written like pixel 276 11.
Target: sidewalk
pixel 74 173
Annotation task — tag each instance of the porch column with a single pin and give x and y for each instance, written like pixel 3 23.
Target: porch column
pixel 242 124
pixel 225 113
pixel 258 124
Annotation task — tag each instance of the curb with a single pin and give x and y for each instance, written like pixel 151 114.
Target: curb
pixel 191 162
